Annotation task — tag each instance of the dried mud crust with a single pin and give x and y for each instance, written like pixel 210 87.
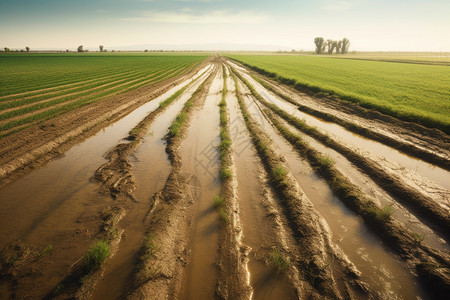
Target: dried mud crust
pixel 324 268
pixel 32 147
pixel 159 274
pixel 429 144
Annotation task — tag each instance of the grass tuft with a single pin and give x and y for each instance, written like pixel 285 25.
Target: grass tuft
pixel 175 128
pixel 279 175
pixel 225 173
pixel 382 214
pixel 219 203
pixel 325 161
pixel 96 255
pixel 280 261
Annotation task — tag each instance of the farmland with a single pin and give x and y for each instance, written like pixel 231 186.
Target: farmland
pixel 412 92
pixel 195 177
pixel 39 86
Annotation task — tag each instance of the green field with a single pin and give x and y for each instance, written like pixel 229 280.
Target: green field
pixel 412 92
pixel 36 87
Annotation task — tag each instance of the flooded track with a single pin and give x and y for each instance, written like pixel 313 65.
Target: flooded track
pixel 264 228
pixel 390 279
pixel 151 167
pixel 362 144
pixel 293 239
pixel 58 204
pixel 199 155
pixel 408 185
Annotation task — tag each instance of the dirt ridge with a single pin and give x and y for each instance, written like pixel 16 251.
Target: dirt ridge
pixel 436 139
pixel 393 232
pixel 422 205
pixel 31 148
pixel 317 251
pixel 160 273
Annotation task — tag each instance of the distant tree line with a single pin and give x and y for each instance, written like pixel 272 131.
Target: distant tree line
pixel 6 49
pixel 341 47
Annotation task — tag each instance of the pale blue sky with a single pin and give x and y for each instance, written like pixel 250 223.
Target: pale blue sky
pixel 397 25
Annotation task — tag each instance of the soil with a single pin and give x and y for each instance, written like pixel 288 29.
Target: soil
pixel 283 231
pixel 32 147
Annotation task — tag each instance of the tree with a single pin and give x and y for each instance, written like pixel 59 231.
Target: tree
pixel 345 45
pixel 28 48
pixel 101 48
pixel 331 45
pixel 320 44
pixel 80 48
pixel 338 47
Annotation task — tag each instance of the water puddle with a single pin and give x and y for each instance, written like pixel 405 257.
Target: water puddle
pixel 48 204
pixel 260 231
pixel 200 159
pixel 377 194
pixel 386 276
pixel 151 167
pixel 432 172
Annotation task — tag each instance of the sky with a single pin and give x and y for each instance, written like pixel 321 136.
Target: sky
pixel 383 25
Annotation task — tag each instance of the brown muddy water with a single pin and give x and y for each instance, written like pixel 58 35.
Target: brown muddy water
pixel 364 145
pixel 377 194
pixel 200 159
pixel 151 167
pixel 380 269
pixel 263 228
pixel 47 206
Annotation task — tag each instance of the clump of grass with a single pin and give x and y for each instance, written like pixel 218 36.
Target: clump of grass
pixel 96 255
pixel 219 203
pixel 225 173
pixel 279 175
pixel 325 161
pixel 175 128
pixel 280 261
pixel 223 215
pixel 383 214
pixel 225 144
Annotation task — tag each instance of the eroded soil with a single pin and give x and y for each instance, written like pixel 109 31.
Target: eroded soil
pixel 281 231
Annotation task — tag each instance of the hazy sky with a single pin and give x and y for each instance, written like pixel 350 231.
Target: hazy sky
pixel 398 25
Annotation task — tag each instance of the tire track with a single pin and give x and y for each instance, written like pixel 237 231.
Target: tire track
pixel 164 254
pixel 428 262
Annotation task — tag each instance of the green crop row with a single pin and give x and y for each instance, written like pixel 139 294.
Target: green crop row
pixel 100 84
pixel 20 74
pixel 77 95
pixel 412 92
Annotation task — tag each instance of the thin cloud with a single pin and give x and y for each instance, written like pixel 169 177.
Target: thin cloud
pixel 188 17
pixel 340 5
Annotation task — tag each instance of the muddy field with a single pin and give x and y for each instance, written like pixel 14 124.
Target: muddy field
pixel 224 184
